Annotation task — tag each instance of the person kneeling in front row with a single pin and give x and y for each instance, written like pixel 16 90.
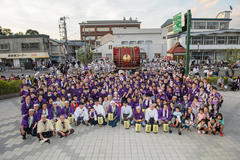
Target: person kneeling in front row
pixel 45 129
pixel 138 117
pixel 29 124
pixel 63 127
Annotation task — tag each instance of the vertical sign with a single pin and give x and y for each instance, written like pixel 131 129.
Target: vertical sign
pixel 177 23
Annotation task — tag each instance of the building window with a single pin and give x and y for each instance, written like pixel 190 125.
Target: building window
pixel 212 25
pixel 164 37
pixel 197 40
pixel 224 25
pixel 54 48
pixel 88 29
pixel 220 40
pixel 140 42
pixel 98 43
pixel 90 37
pixel 200 25
pixel 148 42
pixel 209 40
pixel 124 43
pixel 233 40
pixel 109 46
pixel 103 29
pixel 30 46
pixel 4 46
pixel 132 43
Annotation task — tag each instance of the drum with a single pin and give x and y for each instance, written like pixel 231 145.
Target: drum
pixel 165 127
pixel 138 127
pixel 110 116
pixel 100 120
pixel 126 124
pixel 148 128
pixel 155 128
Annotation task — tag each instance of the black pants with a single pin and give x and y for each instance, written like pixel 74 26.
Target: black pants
pixel 80 120
pixel 92 121
pixel 31 131
pixel 45 134
pixel 151 122
pixel 71 132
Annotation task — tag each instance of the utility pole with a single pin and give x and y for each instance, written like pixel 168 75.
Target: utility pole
pixel 189 17
pixel 63 33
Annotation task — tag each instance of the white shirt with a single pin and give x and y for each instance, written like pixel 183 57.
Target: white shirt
pixel 126 110
pixel 81 113
pixel 99 109
pixel 151 114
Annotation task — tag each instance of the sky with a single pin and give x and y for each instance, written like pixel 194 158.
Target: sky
pixel 43 15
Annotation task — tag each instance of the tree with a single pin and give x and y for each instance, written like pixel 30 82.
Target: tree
pixel 5 31
pixel 31 32
pixel 232 55
pixel 85 55
pixel 19 34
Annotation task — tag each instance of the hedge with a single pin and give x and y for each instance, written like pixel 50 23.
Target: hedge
pixel 213 80
pixel 8 87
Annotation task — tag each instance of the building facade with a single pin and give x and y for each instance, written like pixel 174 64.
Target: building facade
pixel 57 51
pixel 210 37
pixel 151 41
pixel 19 51
pixel 90 31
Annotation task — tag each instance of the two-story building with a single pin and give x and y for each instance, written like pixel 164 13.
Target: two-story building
pixel 210 37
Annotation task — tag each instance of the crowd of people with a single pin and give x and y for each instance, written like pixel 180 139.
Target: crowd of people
pixel 53 104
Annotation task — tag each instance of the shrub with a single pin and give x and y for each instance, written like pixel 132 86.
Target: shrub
pixel 7 87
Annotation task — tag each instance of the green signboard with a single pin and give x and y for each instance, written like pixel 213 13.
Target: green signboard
pixel 177 23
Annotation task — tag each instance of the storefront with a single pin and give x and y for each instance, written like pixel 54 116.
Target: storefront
pixel 20 59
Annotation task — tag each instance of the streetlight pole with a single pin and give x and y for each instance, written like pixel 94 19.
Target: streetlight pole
pixel 189 17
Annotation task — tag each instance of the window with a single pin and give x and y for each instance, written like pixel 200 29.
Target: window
pixel 4 46
pixel 224 25
pixel 164 37
pixel 124 42
pixel 220 39
pixel 132 42
pixel 30 46
pixel 109 46
pixel 212 25
pixel 148 42
pixel 90 37
pixel 197 40
pixel 209 40
pixel 54 48
pixel 200 25
pixel 233 40
pixel 88 29
pixel 140 42
pixel 103 29
pixel 98 43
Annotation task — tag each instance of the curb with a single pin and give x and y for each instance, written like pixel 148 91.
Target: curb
pixel 7 96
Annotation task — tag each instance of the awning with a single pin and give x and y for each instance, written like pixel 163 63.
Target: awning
pixel 24 55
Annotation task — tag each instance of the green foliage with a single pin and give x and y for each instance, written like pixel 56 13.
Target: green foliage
pixel 213 80
pixel 7 87
pixel 5 31
pixel 85 56
pixel 232 55
pixel 18 33
pixel 31 32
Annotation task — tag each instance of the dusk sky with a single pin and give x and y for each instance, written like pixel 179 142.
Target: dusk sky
pixel 43 15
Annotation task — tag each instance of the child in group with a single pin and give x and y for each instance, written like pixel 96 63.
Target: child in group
pixel 92 117
pixel 200 116
pixel 202 127
pixel 212 126
pixel 188 124
pixel 219 124
pixel 177 120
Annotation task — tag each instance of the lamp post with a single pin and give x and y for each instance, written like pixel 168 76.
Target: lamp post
pixel 189 16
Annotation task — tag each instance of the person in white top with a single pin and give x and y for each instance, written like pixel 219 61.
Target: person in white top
pixel 151 115
pixel 126 112
pixel 81 115
pixel 100 111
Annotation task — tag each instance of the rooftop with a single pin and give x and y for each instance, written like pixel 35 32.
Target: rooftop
pixel 111 21
pixel 23 36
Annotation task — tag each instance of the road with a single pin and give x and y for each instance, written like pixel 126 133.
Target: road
pixel 118 143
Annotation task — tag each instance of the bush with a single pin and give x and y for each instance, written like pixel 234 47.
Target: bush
pixel 7 87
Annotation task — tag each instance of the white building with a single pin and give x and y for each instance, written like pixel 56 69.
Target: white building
pixel 151 41
pixel 210 37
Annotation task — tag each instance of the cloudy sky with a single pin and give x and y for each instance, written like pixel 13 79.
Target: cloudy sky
pixel 43 15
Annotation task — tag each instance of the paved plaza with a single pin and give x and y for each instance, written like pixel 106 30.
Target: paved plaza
pixel 118 143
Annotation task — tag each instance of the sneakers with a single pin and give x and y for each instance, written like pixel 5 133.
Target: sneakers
pixel 24 137
pixel 199 132
pixel 221 134
pixel 45 140
pixel 179 133
pixel 170 131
